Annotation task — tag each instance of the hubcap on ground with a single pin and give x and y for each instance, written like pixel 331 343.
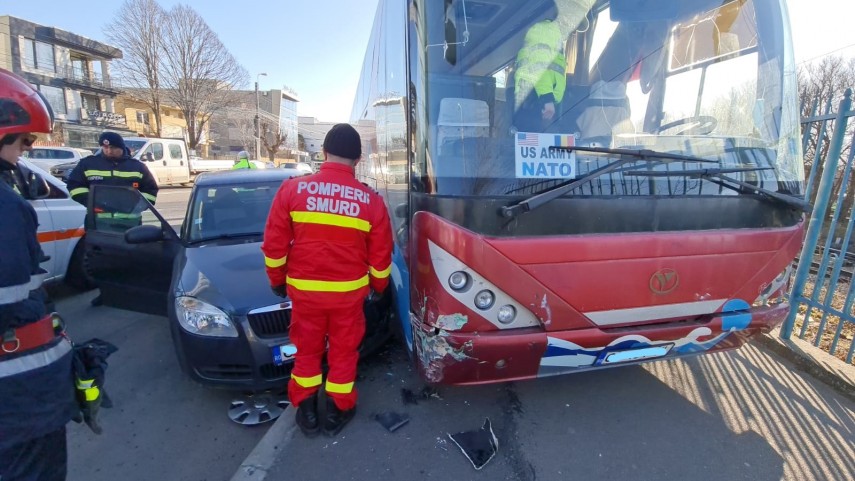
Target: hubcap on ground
pixel 255 409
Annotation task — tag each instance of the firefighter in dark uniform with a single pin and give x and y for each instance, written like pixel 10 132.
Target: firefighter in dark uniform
pixel 112 166
pixel 36 389
pixel 328 242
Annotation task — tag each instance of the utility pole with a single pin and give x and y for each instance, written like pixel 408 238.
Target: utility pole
pixel 257 120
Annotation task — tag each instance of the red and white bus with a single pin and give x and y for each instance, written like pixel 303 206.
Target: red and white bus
pixel 654 214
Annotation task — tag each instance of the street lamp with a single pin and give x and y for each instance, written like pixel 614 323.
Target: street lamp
pixel 257 120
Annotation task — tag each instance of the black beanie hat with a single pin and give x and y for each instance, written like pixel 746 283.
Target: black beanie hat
pixel 113 139
pixel 343 140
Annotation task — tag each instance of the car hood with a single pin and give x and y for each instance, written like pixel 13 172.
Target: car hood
pixel 228 274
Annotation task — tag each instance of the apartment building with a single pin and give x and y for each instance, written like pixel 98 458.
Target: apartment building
pixel 72 72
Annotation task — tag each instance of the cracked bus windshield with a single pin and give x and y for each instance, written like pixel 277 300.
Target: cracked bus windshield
pixel 506 81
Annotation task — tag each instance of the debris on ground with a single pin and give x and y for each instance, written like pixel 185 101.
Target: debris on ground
pixel 479 446
pixel 392 420
pixel 426 394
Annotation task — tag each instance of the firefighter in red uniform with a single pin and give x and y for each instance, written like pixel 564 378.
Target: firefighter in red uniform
pixel 328 243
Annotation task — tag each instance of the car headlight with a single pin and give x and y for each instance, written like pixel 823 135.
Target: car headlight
pixel 201 318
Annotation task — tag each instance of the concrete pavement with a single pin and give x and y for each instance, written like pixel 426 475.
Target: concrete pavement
pixel 755 413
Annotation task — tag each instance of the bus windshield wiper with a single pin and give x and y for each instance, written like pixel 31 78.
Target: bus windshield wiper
pixel 717 176
pixel 626 156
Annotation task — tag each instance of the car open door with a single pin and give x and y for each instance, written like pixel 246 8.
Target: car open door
pixel 134 276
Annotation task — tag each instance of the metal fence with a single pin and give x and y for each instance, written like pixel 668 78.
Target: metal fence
pixel 823 293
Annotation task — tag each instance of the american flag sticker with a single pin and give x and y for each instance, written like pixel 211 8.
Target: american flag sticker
pixel 528 140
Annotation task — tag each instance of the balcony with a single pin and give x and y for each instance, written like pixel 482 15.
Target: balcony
pixel 77 77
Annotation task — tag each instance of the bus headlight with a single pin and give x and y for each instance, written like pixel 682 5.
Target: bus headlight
pixel 459 281
pixel 484 300
pixel 506 314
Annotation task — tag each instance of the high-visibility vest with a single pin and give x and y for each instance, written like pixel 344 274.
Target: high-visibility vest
pixel 540 63
pixel 243 164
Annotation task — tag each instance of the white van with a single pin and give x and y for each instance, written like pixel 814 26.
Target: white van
pixel 167 159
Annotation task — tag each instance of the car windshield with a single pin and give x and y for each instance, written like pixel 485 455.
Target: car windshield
pixel 134 145
pixel 228 211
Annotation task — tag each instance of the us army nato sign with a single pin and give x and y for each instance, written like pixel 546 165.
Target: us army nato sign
pixel 541 156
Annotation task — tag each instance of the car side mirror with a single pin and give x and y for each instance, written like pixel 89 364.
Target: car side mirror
pixel 37 186
pixel 147 157
pixel 143 234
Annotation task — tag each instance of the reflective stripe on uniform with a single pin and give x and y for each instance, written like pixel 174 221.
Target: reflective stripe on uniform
pixel 327 286
pixel 346 388
pixel 78 191
pixel 274 263
pixel 307 381
pixel 149 197
pixel 331 219
pixel 90 392
pixel 102 173
pixel 34 361
pixel 13 294
pixel 119 173
pixel 381 274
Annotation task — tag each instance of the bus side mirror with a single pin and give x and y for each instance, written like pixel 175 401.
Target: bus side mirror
pixel 147 157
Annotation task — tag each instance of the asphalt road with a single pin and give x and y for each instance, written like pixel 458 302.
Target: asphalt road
pixel 739 415
pixel 163 426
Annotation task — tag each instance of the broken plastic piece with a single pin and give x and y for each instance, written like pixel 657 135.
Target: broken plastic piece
pixel 479 446
pixel 392 420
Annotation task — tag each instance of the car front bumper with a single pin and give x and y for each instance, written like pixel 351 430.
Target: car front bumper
pixel 243 363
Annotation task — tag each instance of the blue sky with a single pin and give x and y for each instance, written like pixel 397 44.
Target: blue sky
pixel 316 47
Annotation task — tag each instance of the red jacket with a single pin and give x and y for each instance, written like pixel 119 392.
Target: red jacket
pixel 329 233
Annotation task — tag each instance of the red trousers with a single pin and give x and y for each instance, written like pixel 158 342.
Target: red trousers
pixel 313 325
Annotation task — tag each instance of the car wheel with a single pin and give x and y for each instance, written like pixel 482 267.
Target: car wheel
pixel 76 276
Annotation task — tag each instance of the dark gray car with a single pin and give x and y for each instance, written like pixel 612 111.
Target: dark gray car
pixel 228 328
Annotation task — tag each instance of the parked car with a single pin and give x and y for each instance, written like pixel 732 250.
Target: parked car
pixel 228 328
pixel 48 157
pixel 60 229
pixel 302 166
pixel 63 170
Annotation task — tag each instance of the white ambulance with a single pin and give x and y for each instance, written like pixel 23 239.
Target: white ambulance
pixel 60 230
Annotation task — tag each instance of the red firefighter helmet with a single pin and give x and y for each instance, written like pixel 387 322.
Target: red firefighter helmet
pixel 22 108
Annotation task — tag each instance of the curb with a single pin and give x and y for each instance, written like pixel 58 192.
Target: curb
pixel 257 464
pixel 814 361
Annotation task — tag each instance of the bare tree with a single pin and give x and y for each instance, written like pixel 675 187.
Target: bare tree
pixel 199 69
pixel 821 86
pixel 139 70
pixel 244 123
pixel 272 139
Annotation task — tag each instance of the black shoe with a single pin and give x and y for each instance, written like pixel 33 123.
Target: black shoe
pixel 336 419
pixel 307 416
pixel 97 301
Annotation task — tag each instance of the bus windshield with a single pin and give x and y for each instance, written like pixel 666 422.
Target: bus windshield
pixel 510 82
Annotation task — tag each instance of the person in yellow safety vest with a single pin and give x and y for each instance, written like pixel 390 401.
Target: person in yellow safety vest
pixel 243 161
pixel 540 69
